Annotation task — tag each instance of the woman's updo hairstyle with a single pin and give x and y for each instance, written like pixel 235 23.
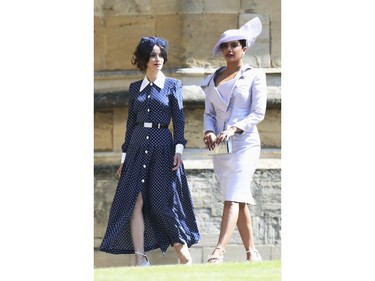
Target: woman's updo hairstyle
pixel 143 51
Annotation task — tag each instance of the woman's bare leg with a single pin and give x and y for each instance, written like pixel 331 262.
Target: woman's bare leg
pixel 245 228
pixel 183 253
pixel 228 223
pixel 137 229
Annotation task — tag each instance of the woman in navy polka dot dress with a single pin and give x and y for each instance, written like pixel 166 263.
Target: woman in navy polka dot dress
pixel 152 207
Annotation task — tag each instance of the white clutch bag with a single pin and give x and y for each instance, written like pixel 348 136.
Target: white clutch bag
pixel 224 148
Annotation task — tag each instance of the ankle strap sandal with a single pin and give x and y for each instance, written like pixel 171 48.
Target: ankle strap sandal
pixel 216 258
pixel 142 254
pixel 254 256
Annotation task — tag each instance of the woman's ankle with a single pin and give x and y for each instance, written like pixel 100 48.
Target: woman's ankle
pixel 140 259
pixel 218 251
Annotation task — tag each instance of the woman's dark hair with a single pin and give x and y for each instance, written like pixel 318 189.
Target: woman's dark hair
pixel 242 42
pixel 143 51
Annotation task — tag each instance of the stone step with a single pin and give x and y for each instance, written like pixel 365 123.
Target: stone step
pixel 235 252
pixel 206 194
pixel 195 158
pixel 193 97
pixel 111 87
pixel 107 81
pixel 199 253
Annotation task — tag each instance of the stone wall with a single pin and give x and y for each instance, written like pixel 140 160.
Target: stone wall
pixel 111 107
pixel 110 124
pixel 207 198
pixel 191 27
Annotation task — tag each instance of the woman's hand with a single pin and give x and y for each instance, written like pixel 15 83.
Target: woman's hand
pixel 209 140
pixel 224 135
pixel 119 170
pixel 177 161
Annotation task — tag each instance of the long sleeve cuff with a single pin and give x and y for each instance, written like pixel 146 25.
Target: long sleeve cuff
pixel 179 148
pixel 123 155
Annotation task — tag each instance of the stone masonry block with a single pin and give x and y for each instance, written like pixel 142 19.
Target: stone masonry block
pixel 170 28
pixel 119 24
pixel 102 259
pixel 103 126
pixel 205 182
pixel 266 215
pixel 156 257
pixel 191 7
pixel 221 6
pixel 195 7
pixel 271 8
pixel 237 253
pixel 104 192
pixel 196 253
pixel 205 221
pixel 98 8
pixel 99 44
pixel 258 55
pixel 166 7
pixel 200 34
pixel 121 7
pixel 123 36
pixel 194 127
pixel 119 127
pixel 276 253
pixel 203 192
pixel 270 128
pixel 110 131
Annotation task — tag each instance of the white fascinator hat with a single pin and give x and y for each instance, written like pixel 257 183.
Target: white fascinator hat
pixel 249 31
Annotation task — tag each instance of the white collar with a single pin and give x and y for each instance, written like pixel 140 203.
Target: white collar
pixel 158 82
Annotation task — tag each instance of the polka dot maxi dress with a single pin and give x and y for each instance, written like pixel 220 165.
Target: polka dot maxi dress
pixel 167 204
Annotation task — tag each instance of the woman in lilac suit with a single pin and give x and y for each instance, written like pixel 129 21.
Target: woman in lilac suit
pixel 235 102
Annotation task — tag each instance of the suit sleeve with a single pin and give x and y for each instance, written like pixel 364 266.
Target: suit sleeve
pixel 209 119
pixel 258 92
pixel 177 112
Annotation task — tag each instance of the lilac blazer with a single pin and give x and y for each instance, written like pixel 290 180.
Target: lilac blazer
pixel 245 108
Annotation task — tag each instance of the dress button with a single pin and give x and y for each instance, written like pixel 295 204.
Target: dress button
pixel 148 110
pixel 144 166
pixel 151 83
pixel 149 96
pixel 146 151
pixel 147 137
pixel 143 180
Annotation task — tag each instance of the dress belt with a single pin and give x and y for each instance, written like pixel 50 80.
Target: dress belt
pixel 152 125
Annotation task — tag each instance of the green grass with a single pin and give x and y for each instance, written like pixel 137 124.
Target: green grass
pixel 264 271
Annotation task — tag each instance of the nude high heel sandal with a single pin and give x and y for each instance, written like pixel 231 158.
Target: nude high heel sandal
pixel 216 258
pixel 254 256
pixel 147 263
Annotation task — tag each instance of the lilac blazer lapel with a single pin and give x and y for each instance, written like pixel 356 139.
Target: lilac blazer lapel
pixel 212 93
